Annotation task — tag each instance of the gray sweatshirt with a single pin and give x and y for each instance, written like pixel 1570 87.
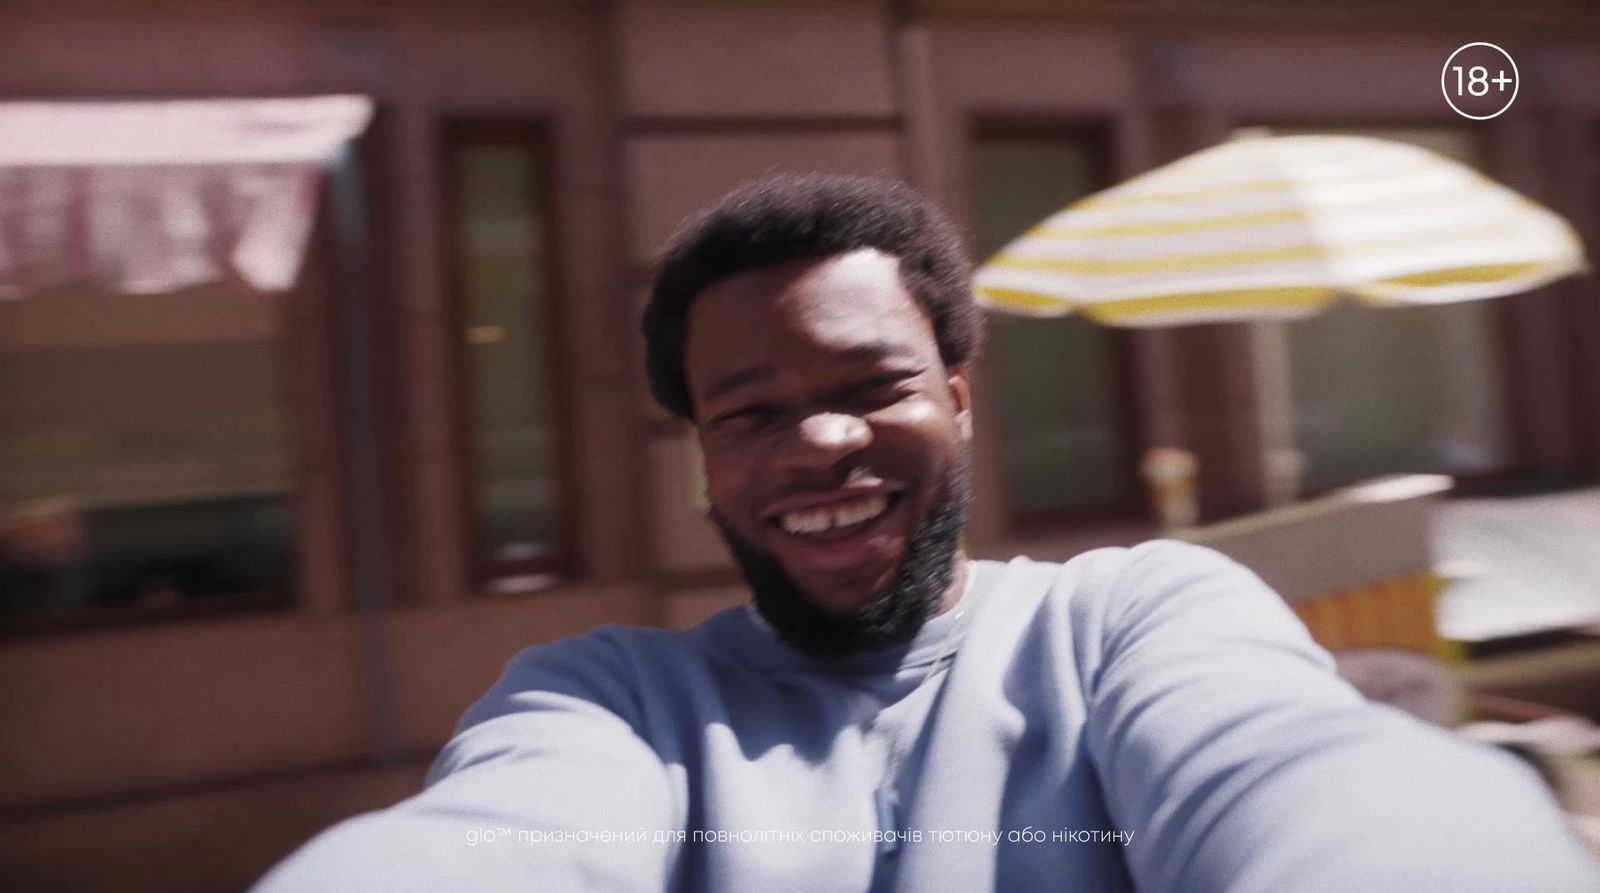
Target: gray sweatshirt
pixel 1151 718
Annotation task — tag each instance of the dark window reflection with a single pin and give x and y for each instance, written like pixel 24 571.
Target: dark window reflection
pixel 144 455
pixel 1060 447
pixel 502 276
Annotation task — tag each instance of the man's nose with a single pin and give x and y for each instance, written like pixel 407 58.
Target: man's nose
pixel 819 441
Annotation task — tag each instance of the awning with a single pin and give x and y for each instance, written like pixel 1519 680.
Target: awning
pixel 145 197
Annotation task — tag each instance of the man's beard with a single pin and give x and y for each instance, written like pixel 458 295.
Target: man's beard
pixel 893 616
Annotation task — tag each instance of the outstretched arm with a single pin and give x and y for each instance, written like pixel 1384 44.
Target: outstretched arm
pixel 518 800
pixel 1241 762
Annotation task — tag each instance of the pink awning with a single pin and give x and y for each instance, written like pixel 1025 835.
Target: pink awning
pixel 144 197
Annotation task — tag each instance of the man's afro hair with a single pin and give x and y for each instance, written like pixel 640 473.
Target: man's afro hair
pixel 799 216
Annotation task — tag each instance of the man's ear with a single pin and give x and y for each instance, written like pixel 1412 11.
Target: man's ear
pixel 961 395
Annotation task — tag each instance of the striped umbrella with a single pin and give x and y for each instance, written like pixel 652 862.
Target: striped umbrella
pixel 1277 227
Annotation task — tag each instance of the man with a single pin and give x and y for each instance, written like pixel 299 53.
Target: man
pixel 888 714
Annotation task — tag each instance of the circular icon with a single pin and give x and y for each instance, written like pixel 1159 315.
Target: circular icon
pixel 1479 81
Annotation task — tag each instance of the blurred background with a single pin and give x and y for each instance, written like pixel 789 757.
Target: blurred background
pixel 309 420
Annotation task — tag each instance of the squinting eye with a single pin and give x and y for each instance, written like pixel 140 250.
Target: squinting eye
pixel 884 389
pixel 886 381
pixel 752 418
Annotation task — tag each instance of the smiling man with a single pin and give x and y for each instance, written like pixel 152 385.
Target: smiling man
pixel 835 432
pixel 888 714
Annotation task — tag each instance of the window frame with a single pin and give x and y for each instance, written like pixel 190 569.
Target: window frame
pixel 560 566
pixel 1098 135
pixel 317 510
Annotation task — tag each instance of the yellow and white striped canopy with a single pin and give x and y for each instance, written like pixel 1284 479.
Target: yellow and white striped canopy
pixel 1277 227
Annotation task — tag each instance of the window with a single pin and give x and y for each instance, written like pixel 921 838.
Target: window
pixel 503 279
pixel 1373 391
pixel 145 453
pixel 1062 448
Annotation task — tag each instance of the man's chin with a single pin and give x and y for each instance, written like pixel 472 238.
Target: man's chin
pixel 843 596
pixel 883 610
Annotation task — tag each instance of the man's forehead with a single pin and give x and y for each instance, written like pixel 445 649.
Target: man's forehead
pixel 840 301
pixel 839 312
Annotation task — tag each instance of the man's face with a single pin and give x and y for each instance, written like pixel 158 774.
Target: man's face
pixel 832 432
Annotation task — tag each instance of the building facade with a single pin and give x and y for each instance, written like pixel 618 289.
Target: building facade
pixel 291 602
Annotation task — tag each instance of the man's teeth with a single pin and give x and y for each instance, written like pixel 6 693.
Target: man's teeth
pixel 843 514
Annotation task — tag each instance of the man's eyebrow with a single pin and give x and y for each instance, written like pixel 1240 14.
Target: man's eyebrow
pixel 877 350
pixel 736 380
pixel 860 353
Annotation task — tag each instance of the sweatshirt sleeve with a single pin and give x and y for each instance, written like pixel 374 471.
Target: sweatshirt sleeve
pixel 1227 745
pixel 543 776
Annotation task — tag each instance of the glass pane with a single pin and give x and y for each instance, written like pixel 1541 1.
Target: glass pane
pixel 1059 444
pixel 500 232
pixel 142 468
pixel 1381 390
